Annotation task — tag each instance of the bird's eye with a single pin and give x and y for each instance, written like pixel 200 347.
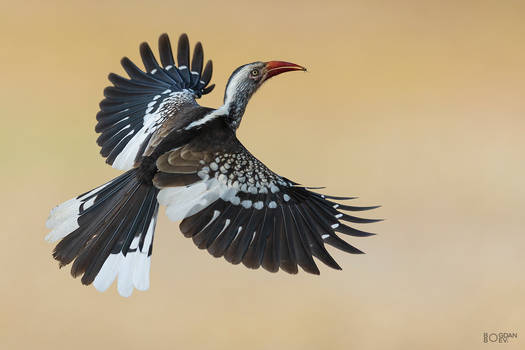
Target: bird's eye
pixel 254 73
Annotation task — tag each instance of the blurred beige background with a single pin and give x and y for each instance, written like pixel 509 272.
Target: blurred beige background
pixel 415 105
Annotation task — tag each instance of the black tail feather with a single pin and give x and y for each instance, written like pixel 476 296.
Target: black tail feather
pixel 112 219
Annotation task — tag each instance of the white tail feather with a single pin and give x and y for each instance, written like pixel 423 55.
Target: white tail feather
pixel 63 218
pixel 132 270
pixel 108 272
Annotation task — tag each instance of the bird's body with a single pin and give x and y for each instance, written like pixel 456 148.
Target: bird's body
pixel 187 157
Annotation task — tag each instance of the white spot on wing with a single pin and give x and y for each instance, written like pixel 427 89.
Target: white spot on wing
pixel 89 202
pixel 226 224
pixel 203 175
pixel 216 214
pixel 235 200
pixel 223 179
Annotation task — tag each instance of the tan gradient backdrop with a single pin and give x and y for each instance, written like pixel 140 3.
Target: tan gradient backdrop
pixel 418 106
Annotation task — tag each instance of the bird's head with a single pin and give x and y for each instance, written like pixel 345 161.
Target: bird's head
pixel 246 79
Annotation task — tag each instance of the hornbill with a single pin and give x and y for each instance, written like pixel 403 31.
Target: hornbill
pixel 187 157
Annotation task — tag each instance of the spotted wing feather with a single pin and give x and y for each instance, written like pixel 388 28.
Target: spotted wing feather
pixel 234 206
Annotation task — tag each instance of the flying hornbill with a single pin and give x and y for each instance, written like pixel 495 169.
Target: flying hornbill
pixel 188 158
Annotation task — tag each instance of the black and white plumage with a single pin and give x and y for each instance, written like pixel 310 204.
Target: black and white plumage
pixel 188 158
pixel 135 108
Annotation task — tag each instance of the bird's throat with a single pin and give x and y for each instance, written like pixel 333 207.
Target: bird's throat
pixel 235 113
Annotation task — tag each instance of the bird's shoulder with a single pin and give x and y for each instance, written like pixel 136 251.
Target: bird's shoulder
pixel 216 150
pixel 174 131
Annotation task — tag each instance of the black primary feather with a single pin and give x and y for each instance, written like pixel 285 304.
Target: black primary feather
pixel 130 101
pixel 183 58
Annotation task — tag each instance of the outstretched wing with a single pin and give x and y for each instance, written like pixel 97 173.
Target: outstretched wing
pixel 134 108
pixel 234 206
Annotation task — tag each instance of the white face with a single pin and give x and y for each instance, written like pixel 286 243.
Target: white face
pixel 244 81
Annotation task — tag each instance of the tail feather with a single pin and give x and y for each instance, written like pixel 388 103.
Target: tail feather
pixel 106 232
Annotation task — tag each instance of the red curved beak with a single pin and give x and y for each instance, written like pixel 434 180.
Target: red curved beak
pixel 274 68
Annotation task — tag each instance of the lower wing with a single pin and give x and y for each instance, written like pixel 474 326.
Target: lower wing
pixel 234 206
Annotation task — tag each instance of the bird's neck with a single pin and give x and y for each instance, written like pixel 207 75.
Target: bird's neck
pixel 235 113
pixel 233 110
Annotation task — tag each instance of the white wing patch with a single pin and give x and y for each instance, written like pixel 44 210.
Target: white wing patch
pixel 216 183
pixel 185 201
pixel 156 113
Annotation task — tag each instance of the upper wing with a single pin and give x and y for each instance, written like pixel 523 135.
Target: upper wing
pixel 133 109
pixel 234 206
